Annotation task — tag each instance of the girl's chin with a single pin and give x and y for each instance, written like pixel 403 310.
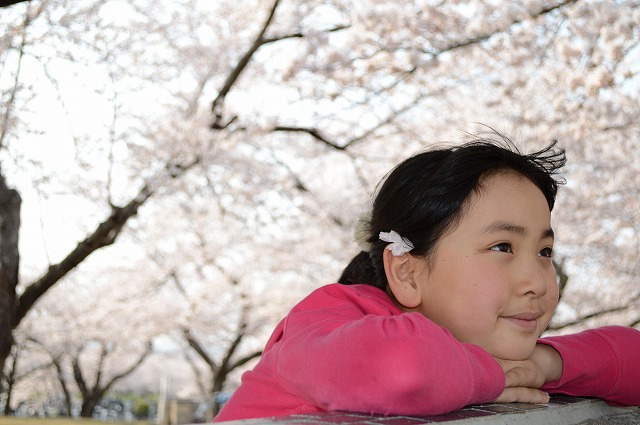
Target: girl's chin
pixel 512 353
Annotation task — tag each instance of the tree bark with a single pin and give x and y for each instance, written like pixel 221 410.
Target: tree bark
pixel 9 380
pixel 10 203
pixel 5 3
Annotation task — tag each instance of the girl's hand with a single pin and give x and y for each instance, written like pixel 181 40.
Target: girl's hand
pixel 523 378
pixel 522 395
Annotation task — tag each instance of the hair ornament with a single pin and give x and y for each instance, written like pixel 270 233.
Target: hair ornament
pixel 398 245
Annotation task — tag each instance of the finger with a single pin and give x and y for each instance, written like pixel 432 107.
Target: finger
pixel 506 365
pixel 523 377
pixel 516 377
pixel 522 395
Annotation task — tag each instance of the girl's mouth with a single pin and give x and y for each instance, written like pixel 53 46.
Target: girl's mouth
pixel 527 321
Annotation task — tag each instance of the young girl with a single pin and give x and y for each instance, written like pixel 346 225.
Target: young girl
pixel 444 306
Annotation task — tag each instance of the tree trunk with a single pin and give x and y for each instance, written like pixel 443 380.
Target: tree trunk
pixel 63 383
pixel 9 380
pixel 218 385
pixel 6 411
pixel 88 404
pixel 9 260
pixel 92 395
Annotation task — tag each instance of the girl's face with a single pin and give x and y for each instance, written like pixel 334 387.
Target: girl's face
pixel 492 282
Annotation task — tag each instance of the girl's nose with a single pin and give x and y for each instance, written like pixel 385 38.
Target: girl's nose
pixel 533 279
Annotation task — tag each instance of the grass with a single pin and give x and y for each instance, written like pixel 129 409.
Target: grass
pixel 8 420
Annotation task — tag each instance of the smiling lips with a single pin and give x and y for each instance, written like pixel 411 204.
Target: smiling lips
pixel 527 321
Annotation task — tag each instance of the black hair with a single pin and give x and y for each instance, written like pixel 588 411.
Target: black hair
pixel 425 196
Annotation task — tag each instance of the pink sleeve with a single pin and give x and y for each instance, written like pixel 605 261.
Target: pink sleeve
pixel 395 364
pixel 603 362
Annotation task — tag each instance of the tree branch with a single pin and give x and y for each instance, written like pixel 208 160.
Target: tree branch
pixel 313 132
pixel 200 350
pixel 240 66
pixel 457 45
pixel 594 315
pixel 487 36
pixel 16 81
pixel 245 359
pixel 129 370
pixel 63 384
pixel 105 234
pixel 224 365
pixel 77 375
pixel 259 41
pixel 197 374
pixel 104 352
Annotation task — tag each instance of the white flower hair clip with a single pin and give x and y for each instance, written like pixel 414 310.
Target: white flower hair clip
pixel 398 245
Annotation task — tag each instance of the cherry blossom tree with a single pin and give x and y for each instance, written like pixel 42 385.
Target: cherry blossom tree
pixel 17 298
pixel 239 142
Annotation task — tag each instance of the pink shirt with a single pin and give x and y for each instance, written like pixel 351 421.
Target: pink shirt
pixel 350 348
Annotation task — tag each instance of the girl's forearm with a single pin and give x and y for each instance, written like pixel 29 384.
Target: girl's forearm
pixel 599 362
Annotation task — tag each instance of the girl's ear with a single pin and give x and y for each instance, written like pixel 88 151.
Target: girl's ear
pixel 400 272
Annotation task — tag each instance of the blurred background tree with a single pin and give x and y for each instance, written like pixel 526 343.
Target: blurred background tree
pixel 182 172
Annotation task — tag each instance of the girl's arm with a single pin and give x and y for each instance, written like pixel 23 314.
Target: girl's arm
pixel 395 364
pixel 600 363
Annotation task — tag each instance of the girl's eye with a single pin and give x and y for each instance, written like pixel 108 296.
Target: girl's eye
pixel 547 252
pixel 502 247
